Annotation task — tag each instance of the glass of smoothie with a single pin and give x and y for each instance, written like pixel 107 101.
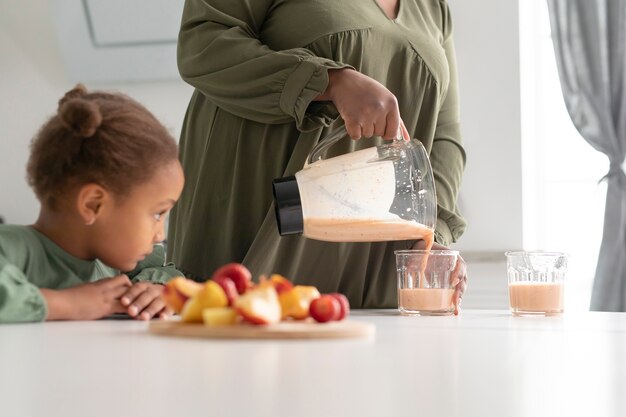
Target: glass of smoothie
pixel 426 281
pixel 536 282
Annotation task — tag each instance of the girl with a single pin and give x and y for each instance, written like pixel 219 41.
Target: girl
pixel 106 173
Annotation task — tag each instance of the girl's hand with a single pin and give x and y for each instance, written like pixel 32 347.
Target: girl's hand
pixel 143 301
pixel 367 107
pixel 87 301
pixel 459 275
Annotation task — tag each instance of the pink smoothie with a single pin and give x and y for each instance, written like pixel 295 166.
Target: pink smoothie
pixel 426 300
pixel 366 230
pixel 536 298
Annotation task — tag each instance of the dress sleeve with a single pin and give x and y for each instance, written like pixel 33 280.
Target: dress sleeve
pixel 20 300
pixel 154 269
pixel 220 54
pixel 448 155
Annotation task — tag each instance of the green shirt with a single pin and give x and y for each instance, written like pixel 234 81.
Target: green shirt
pixel 29 261
pixel 257 66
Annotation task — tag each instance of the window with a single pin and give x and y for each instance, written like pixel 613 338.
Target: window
pixel 563 199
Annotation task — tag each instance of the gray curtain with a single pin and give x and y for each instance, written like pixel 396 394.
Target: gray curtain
pixel 590 45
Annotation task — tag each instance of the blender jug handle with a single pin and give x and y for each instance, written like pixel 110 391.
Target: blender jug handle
pixel 323 145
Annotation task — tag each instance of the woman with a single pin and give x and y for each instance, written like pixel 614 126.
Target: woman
pixel 272 78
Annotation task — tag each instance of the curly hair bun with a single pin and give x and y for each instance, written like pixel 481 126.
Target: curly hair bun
pixel 78 113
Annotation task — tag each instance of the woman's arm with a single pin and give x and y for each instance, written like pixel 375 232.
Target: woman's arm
pixel 221 55
pixel 448 155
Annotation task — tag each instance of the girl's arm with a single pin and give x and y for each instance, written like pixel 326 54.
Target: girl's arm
pixel 20 300
pixel 154 269
pixel 89 301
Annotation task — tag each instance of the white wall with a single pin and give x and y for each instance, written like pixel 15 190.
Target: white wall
pixel 487 43
pixel 32 78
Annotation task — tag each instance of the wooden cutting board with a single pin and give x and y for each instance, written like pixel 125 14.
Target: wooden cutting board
pixel 283 330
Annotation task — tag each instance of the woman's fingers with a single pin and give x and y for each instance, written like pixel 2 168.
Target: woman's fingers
pixel 393 125
pixel 380 126
pixel 458 296
pixel 366 106
pixel 354 129
pixel 404 132
pixel 367 130
pixel 459 281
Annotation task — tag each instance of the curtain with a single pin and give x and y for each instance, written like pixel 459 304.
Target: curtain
pixel 590 46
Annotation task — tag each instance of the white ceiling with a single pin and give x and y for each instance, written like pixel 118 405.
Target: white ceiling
pixel 118 40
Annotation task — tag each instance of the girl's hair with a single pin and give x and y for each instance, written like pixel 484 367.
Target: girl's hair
pixel 97 137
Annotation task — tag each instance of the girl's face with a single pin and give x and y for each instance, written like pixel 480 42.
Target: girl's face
pixel 126 231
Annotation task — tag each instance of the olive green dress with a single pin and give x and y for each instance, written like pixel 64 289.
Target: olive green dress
pixel 256 66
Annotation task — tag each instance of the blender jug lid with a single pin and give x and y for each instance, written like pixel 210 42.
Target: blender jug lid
pixel 288 206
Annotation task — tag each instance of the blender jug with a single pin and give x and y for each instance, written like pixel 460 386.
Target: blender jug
pixel 382 193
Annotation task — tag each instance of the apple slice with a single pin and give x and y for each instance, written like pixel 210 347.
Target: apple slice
pixel 228 285
pixel 259 305
pixel 177 291
pixel 240 275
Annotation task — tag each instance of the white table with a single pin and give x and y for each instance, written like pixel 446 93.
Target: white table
pixel 483 363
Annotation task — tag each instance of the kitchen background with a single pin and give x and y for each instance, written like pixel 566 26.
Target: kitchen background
pixel 530 179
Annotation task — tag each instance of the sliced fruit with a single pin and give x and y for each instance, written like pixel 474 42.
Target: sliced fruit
pixel 219 316
pixel 295 302
pixel 259 305
pixel 177 291
pixel 343 303
pixel 281 283
pixel 228 285
pixel 211 295
pixel 324 309
pixel 192 311
pixel 240 275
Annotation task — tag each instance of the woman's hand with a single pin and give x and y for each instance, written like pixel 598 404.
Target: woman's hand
pixel 143 301
pixel 459 275
pixel 367 107
pixel 87 301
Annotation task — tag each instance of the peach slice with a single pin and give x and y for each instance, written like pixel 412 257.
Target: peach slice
pixel 259 305
pixel 210 295
pixel 177 291
pixel 219 316
pixel 295 302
